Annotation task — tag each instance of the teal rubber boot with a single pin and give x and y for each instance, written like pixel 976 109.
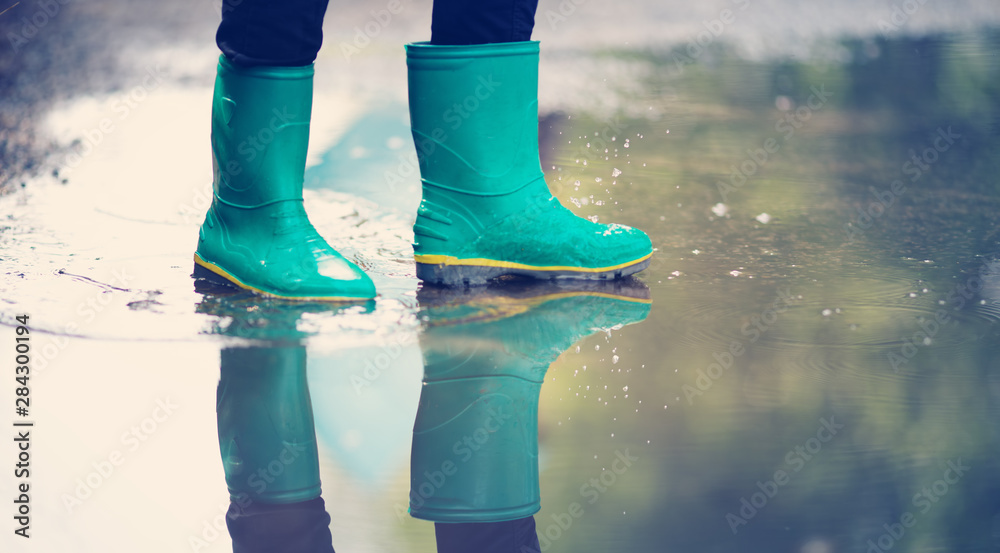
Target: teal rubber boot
pixel 266 432
pixel 256 234
pixel 475 438
pixel 486 209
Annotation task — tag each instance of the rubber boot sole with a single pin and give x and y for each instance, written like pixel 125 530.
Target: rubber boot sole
pixel 451 271
pixel 217 275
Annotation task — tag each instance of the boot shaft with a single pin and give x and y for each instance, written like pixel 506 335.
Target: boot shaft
pixel 474 114
pixel 260 133
pixel 267 437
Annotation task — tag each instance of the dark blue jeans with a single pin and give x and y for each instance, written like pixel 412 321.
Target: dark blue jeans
pixel 289 32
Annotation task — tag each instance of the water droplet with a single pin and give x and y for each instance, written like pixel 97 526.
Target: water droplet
pixel 614 361
pixel 827 312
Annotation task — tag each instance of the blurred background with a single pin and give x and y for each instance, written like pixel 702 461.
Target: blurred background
pixel 820 181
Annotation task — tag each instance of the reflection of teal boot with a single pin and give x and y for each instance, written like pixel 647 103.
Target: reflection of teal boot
pixel 256 234
pixel 475 439
pixel 486 209
pixel 266 432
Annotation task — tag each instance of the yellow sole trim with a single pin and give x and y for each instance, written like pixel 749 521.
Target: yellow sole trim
pixel 535 301
pixel 559 295
pixel 494 309
pixel 228 276
pixel 434 259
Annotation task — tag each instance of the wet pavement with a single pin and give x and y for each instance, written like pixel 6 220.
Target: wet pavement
pixel 809 364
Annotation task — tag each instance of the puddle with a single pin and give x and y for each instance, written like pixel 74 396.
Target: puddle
pixel 823 302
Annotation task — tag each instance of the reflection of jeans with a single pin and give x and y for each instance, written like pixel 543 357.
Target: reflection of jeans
pixel 305 528
pixel 290 32
pixel 289 528
pixel 515 536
